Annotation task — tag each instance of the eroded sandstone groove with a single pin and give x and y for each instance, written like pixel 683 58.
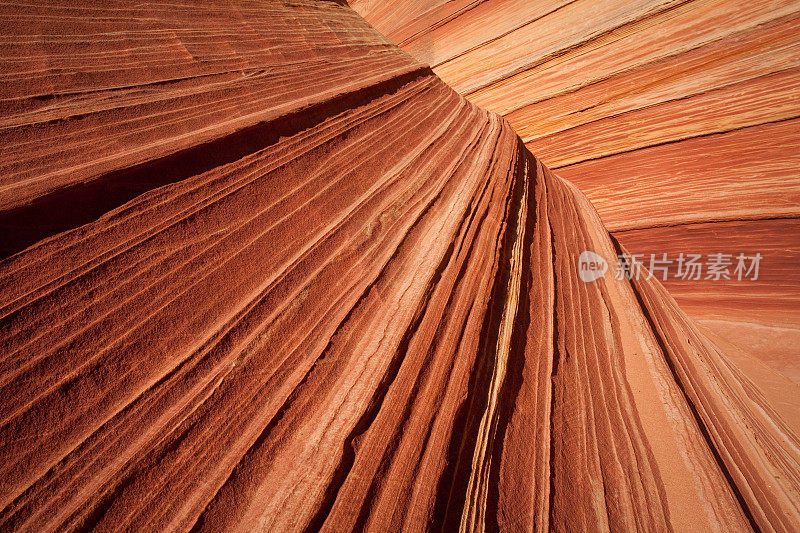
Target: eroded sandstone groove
pixel 678 119
pixel 285 278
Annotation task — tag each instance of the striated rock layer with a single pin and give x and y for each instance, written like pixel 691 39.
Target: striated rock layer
pixel 277 275
pixel 664 113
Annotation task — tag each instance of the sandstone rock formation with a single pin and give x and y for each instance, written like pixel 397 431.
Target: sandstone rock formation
pixel 667 114
pixel 263 270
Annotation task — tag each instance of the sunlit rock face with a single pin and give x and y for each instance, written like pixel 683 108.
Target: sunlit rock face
pixel 679 120
pixel 264 270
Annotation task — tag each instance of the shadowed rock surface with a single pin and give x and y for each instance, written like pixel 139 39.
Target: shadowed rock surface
pixel 666 114
pixel 285 278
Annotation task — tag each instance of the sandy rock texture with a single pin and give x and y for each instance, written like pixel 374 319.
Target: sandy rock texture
pixel 666 114
pixel 262 270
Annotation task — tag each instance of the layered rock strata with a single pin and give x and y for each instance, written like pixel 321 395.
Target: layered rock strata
pixel 676 114
pixel 285 278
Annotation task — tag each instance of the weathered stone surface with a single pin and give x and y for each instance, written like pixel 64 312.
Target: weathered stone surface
pixel 665 113
pixel 280 276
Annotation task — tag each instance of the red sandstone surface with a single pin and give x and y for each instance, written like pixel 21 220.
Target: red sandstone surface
pixel 264 270
pixel 664 113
